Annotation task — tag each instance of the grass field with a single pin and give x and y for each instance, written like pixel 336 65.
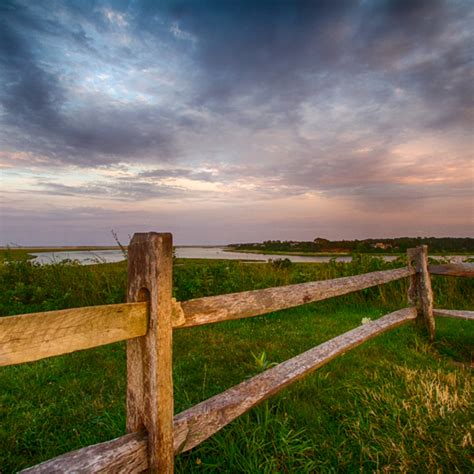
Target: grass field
pixel 395 403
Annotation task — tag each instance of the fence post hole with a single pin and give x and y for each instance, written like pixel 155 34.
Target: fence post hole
pixel 420 292
pixel 149 362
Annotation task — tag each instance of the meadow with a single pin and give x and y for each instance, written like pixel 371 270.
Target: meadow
pixel 395 403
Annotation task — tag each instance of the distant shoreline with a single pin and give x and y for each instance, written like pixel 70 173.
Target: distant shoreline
pixel 342 254
pixel 299 254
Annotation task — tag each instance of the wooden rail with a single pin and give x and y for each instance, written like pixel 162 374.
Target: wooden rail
pixel 201 421
pixel 147 321
pixel 453 313
pixel 126 454
pixel 30 337
pixel 213 309
pixel 196 424
pixel 453 269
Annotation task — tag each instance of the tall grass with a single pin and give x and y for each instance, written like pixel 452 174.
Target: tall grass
pixel 26 287
pixel 395 403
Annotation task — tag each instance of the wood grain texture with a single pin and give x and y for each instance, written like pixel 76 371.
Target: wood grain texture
pixel 453 269
pixel 213 309
pixel 127 454
pixel 149 358
pixel 454 313
pixel 191 427
pixel 198 423
pixel 30 337
pixel 420 292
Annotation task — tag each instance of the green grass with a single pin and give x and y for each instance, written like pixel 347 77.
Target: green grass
pixel 395 403
pixel 17 255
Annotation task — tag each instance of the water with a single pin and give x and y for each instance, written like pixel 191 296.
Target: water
pixel 85 257
pixel 90 257
pixel 220 253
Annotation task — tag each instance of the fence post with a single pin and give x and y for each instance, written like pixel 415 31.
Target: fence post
pixel 420 292
pixel 149 358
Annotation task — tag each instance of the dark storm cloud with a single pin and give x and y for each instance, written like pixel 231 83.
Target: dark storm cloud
pixel 279 53
pixel 269 51
pixel 35 100
pixel 29 94
pixel 400 68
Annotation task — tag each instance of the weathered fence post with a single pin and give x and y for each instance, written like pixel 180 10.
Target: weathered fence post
pixel 420 292
pixel 149 364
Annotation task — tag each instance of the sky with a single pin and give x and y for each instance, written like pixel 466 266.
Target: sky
pixel 235 121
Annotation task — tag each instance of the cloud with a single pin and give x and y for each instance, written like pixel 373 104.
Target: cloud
pixel 179 173
pixel 255 65
pixel 121 189
pixel 43 109
pixel 238 102
pixel 29 94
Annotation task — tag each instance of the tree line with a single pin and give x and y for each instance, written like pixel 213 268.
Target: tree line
pixel 394 245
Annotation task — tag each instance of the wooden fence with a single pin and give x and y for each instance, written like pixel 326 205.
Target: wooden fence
pixel 147 321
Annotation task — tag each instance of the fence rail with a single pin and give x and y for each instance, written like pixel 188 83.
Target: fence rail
pixel 30 337
pixel 193 426
pixel 453 269
pixel 453 313
pixel 213 309
pixel 147 321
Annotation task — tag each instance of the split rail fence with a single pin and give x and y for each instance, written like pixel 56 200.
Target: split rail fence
pixel 147 322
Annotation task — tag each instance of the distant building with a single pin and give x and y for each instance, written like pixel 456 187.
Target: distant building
pixel 381 245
